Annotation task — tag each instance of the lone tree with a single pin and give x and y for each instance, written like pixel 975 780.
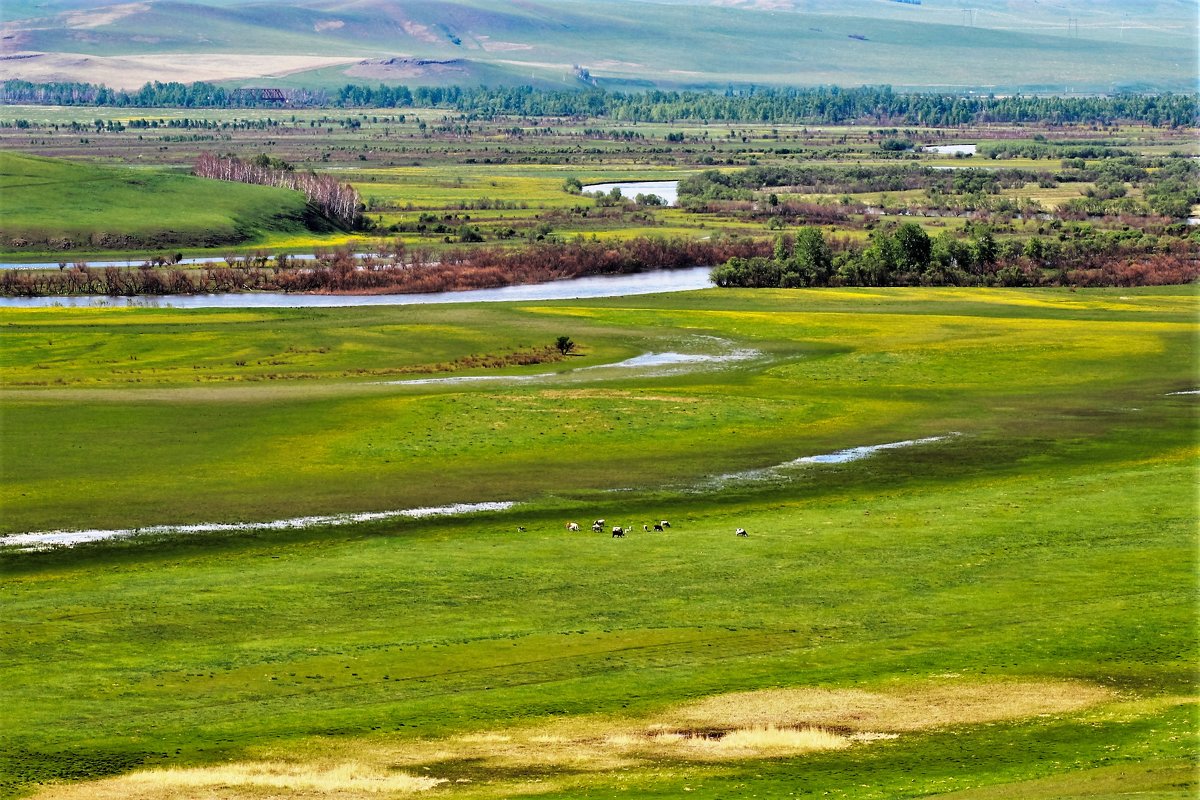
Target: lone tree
pixel 564 344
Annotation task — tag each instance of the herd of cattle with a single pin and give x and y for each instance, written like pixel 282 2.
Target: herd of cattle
pixel 619 531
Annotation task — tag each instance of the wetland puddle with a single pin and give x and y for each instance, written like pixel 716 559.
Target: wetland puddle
pixel 857 453
pixel 43 540
pixel 673 359
pixel 651 364
pixel 836 457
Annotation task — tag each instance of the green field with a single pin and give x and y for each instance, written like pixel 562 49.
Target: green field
pixel 52 205
pixel 1007 611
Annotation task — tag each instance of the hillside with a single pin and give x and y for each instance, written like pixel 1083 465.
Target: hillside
pixel 58 205
pixel 996 45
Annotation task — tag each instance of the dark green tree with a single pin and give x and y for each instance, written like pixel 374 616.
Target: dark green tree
pixel 813 258
pixel 914 247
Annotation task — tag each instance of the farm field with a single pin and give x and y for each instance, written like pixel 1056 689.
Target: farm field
pixel 999 605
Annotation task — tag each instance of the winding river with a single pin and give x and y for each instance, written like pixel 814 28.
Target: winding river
pixel 679 280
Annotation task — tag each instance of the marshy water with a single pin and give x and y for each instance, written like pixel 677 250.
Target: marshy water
pixel 42 540
pixel 844 456
pixel 63 538
pixel 649 364
pixel 678 280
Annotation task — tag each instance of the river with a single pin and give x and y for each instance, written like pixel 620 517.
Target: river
pixel 679 280
pixel 137 262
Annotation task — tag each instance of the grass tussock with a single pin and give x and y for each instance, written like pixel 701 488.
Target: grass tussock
pixel 917 709
pixel 758 741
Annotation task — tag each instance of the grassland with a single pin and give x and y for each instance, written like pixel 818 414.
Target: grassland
pixel 58 206
pixel 639 44
pixel 1008 611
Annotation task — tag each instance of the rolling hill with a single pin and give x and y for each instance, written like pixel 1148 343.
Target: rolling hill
pixel 58 205
pixel 992 45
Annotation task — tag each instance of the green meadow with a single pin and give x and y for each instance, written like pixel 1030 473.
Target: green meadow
pixel 60 207
pixel 1003 609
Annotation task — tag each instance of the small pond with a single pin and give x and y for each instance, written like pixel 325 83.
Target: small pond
pixel 667 190
pixel 951 149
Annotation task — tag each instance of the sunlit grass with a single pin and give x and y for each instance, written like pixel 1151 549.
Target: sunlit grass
pixel 1011 602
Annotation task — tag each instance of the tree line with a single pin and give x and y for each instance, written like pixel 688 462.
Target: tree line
pixel 338 201
pixel 395 271
pixel 907 256
pixel 1169 186
pixel 751 105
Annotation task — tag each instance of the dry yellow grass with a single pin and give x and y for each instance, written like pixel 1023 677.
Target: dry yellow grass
pixel 771 723
pixel 755 742
pixel 275 779
pixel 131 71
pixel 912 709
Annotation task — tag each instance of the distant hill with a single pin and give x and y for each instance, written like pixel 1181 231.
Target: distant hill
pixel 991 45
pixel 48 204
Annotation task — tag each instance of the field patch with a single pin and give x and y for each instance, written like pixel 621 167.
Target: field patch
pixel 776 723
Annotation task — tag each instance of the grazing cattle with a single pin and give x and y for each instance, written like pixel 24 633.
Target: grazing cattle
pixel 741 532
pixel 618 532
pixel 664 524
pixel 658 528
pixel 646 528
pixel 600 522
pixel 573 527
pixel 597 527
pixel 520 529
